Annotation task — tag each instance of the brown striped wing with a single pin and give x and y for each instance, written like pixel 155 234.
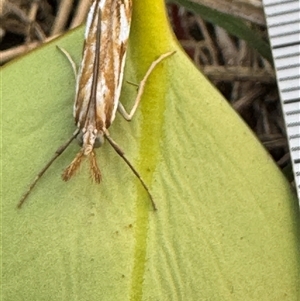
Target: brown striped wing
pixel 101 73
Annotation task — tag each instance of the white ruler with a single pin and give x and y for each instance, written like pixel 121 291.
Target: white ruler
pixel 283 21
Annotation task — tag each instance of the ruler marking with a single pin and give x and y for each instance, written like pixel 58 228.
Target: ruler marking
pixel 284 34
pixel 293 100
pixel 296 136
pixel 295 148
pixel 290 89
pixel 283 13
pixel 275 3
pixel 286 45
pixel 292 124
pixel 289 113
pixel 287 55
pixel 288 66
pixel 292 113
pixel 288 78
pixel 282 79
pixel 283 23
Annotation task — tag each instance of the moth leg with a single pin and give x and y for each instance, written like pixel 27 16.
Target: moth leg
pixel 132 83
pixel 141 88
pixel 68 56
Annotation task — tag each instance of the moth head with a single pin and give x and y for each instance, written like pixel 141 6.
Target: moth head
pixel 90 138
pixel 99 140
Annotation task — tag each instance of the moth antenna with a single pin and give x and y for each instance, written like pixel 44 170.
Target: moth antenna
pixel 58 152
pixel 96 174
pixel 71 169
pixel 116 147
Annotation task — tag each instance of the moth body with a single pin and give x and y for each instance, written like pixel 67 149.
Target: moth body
pixel 100 77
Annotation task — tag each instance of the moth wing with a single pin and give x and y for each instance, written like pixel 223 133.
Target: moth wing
pixel 101 72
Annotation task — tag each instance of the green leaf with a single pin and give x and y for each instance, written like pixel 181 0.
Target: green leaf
pixel 232 25
pixel 227 225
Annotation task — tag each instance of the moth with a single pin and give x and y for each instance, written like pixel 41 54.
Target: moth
pixel 98 87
